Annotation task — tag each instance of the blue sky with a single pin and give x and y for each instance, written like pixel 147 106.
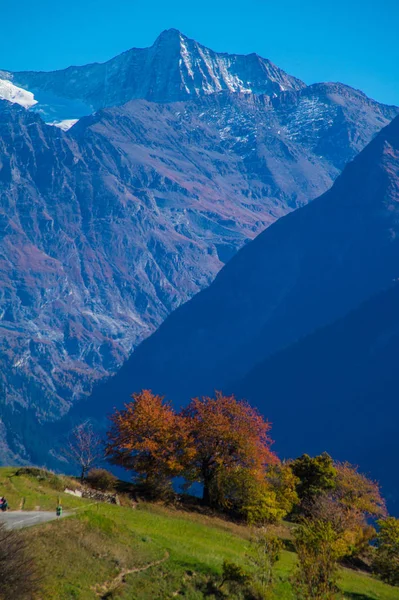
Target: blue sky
pixel 353 41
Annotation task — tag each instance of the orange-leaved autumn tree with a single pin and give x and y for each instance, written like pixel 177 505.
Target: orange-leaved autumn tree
pixel 225 434
pixel 355 491
pixel 148 437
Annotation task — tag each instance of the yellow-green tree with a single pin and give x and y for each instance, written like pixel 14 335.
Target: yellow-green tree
pixel 319 548
pixel 386 562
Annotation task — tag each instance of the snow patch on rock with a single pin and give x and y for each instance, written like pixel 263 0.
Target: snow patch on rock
pixel 65 124
pixel 15 94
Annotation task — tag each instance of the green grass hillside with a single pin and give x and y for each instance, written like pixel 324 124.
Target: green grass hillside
pixel 106 551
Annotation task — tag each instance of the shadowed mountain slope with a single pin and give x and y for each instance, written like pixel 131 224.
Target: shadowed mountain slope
pixel 336 390
pixel 305 271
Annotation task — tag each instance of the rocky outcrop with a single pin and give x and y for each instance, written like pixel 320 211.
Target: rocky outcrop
pixel 99 496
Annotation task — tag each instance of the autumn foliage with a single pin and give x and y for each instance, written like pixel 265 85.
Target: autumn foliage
pixel 220 442
pixel 338 494
pixel 335 503
pixel 355 491
pixel 149 438
pixel 224 444
pixel 227 435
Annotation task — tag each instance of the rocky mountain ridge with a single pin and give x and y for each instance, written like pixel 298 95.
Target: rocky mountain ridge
pixel 174 68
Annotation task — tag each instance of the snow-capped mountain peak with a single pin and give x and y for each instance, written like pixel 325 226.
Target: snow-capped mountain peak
pixel 174 68
pixel 203 71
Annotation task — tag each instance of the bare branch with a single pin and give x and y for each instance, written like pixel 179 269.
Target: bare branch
pixel 84 448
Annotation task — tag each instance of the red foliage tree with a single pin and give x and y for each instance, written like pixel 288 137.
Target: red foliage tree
pixel 225 433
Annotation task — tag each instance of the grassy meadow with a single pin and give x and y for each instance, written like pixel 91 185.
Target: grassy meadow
pixel 106 551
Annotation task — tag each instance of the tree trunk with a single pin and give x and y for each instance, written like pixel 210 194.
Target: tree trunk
pixel 206 497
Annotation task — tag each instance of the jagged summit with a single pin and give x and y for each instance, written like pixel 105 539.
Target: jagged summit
pixel 169 34
pixel 174 68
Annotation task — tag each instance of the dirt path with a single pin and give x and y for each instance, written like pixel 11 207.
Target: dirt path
pixel 109 586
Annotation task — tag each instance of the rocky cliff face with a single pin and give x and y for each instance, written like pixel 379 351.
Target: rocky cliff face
pixel 107 228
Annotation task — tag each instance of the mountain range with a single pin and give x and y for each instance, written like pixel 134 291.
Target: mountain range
pixel 108 227
pixel 173 68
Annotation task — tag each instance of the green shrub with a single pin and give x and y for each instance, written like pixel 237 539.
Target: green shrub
pixel 101 479
pixel 319 548
pixel 264 553
pixel 51 479
pixel 233 573
pixel 316 475
pixel 248 495
pixel 386 562
pixel 261 505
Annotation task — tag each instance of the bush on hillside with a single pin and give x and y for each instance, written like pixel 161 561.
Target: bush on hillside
pixel 264 553
pixel 283 482
pixel 349 524
pixel 233 573
pixel 44 476
pixel 260 497
pixel 355 491
pixel 33 472
pixel 336 493
pixel 19 577
pixel 386 562
pixel 247 495
pixel 319 548
pixel 101 479
pixel 315 476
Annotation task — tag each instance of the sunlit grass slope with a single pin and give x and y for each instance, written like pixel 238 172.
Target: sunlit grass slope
pixel 85 555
